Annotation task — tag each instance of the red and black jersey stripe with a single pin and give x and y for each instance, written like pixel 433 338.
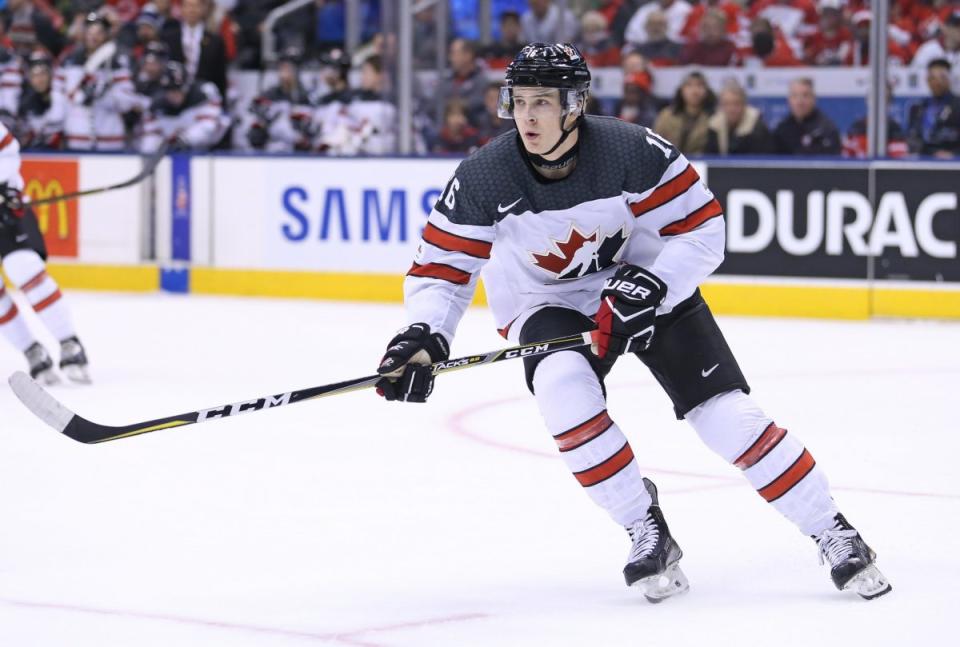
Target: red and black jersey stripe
pixel 790 477
pixel 440 271
pixel 584 432
pixel 710 210
pixel 6 141
pixel 606 469
pixel 34 282
pixel 669 190
pixel 46 303
pixel 454 243
pixel 762 446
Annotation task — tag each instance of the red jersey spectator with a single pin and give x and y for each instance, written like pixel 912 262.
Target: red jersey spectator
pixel 796 19
pixel 657 46
pixel 768 47
pixel 832 44
pixel 596 45
pixel 457 135
pixel 499 54
pixel 860 52
pixel 713 48
pixel 731 10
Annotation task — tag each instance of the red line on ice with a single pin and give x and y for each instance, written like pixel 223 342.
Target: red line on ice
pixel 344 637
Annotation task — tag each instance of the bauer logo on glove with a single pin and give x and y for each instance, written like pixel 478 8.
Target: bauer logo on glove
pixel 626 319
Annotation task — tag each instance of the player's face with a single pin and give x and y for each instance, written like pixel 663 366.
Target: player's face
pixel 40 78
pixel 537 114
pixel 94 37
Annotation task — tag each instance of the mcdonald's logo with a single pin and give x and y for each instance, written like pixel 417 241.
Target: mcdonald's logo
pixel 47 178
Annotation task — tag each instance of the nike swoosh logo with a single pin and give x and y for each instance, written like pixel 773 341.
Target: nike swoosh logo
pixel 507 208
pixel 707 372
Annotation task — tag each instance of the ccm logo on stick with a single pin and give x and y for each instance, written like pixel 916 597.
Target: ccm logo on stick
pixel 244 407
pixel 530 350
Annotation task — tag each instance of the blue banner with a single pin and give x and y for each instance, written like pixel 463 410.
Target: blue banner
pixel 180 208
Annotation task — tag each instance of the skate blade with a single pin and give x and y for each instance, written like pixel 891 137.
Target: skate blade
pixel 658 588
pixel 869 583
pixel 76 373
pixel 48 377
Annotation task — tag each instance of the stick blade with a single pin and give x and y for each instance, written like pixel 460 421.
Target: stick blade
pixel 39 402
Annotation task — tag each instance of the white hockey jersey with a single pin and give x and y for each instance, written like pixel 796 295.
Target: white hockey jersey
pixel 95 97
pixel 10 159
pixel 631 198
pixel 198 123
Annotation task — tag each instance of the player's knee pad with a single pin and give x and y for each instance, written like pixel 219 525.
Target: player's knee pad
pixel 567 390
pixel 22 266
pixel 729 423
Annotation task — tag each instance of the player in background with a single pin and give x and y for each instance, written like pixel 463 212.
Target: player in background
pixel 591 223
pixel 187 115
pixel 23 253
pixel 96 88
pixel 40 115
pixel 280 120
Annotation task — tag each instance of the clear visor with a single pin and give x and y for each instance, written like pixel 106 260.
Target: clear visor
pixel 571 101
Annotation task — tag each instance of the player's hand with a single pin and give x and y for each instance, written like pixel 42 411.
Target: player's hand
pixel 405 366
pixel 628 311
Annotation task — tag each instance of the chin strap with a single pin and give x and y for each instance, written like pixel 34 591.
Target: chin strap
pixel 564 133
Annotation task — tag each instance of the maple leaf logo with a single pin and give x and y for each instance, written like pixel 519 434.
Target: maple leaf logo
pixel 580 254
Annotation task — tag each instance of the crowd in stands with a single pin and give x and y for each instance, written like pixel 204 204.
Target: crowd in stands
pixel 142 74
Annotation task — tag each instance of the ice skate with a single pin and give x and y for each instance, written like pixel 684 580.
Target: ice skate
pixel 852 562
pixel 73 360
pixel 653 564
pixel 41 366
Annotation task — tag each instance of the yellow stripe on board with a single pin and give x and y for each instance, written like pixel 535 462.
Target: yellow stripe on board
pixel 904 302
pixel 730 298
pixel 135 278
pixel 311 285
pixel 767 300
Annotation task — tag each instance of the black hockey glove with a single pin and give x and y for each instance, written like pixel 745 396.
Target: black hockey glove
pixel 11 205
pixel 405 367
pixel 628 311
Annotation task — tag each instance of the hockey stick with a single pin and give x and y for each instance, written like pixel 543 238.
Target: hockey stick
pixel 47 408
pixel 148 168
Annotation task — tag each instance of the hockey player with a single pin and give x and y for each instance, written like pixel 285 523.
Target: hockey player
pixel 186 115
pixel 23 254
pixel 96 88
pixel 367 124
pixel 281 119
pixel 40 116
pixel 591 223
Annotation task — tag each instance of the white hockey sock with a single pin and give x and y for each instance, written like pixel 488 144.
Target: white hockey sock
pixel 593 447
pixel 776 463
pixel 12 325
pixel 27 270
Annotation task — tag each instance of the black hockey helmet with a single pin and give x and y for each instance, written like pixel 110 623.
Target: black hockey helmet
pixel 156 50
pixel 560 66
pixel 337 59
pixel 292 54
pixel 40 58
pixel 174 77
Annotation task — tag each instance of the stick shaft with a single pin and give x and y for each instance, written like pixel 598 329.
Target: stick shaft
pixel 46 407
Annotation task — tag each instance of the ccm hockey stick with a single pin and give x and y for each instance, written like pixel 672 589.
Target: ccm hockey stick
pixel 148 168
pixel 47 408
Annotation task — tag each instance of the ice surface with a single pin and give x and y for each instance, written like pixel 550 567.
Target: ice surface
pixel 352 521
